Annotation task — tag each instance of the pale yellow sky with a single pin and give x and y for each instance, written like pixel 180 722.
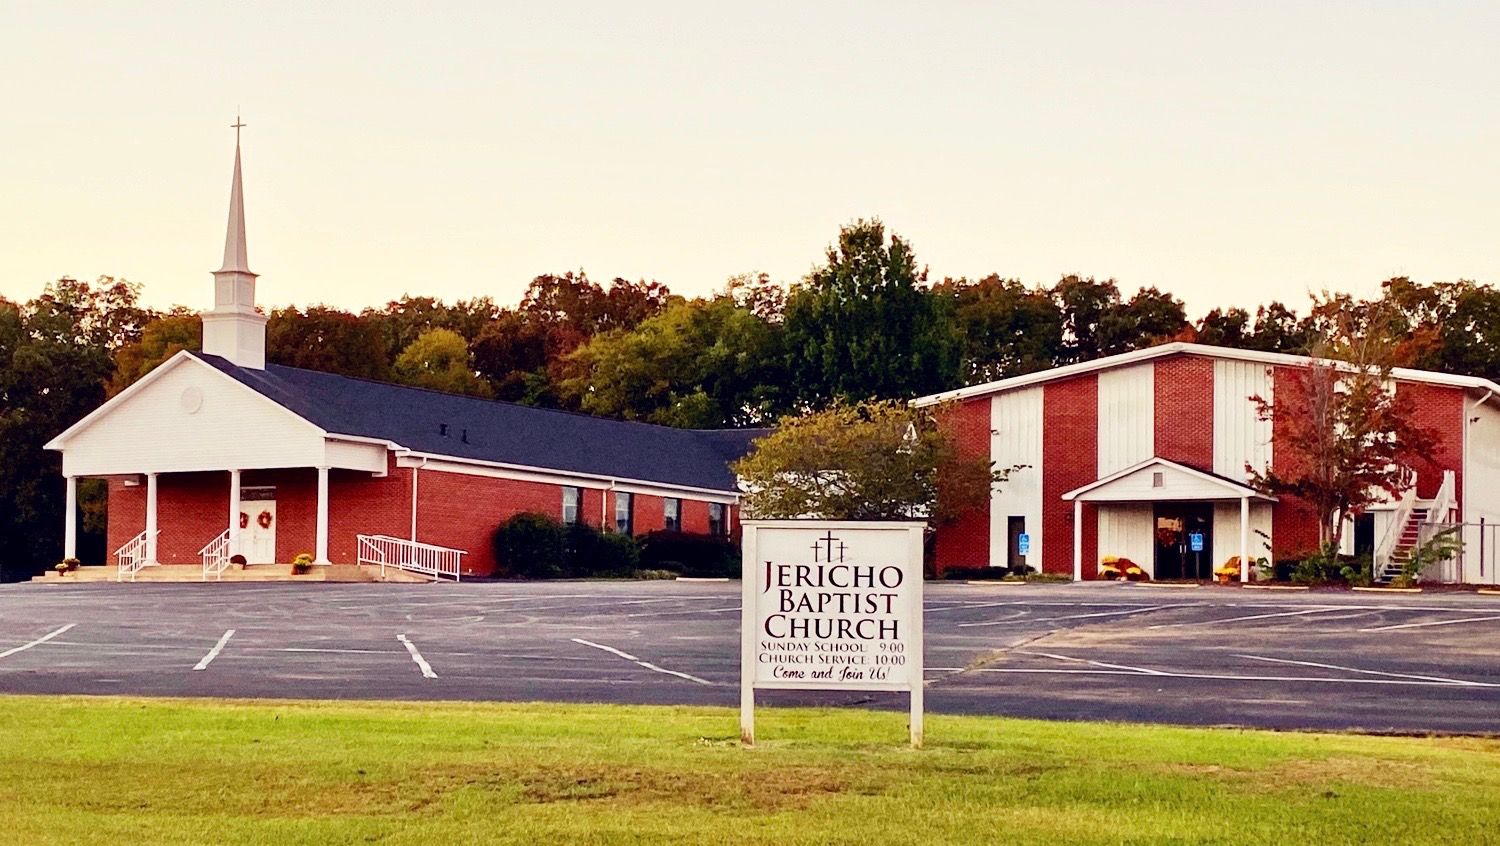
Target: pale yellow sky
pixel 1229 152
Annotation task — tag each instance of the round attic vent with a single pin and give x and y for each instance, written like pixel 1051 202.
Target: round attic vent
pixel 191 400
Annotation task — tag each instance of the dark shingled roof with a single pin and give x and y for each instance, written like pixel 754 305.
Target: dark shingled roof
pixel 489 430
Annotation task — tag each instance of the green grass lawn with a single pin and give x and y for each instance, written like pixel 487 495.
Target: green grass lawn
pixel 103 770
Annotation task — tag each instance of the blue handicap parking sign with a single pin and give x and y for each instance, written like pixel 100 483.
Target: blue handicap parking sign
pixel 1023 544
pixel 1195 541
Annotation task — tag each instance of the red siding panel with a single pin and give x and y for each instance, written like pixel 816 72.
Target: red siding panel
pixel 1070 459
pixel 966 541
pixel 1440 409
pixel 1184 411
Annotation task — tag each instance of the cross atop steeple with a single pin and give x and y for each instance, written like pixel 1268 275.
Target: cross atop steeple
pixel 237 126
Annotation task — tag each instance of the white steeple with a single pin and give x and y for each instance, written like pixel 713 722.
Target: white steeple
pixel 233 328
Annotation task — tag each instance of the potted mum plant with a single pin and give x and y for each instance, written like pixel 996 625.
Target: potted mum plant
pixel 302 564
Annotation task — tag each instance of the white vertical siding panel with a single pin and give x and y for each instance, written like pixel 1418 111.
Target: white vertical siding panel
pixel 1239 436
pixel 1481 494
pixel 1016 421
pixel 1126 531
pixel 1127 417
pixel 1227 531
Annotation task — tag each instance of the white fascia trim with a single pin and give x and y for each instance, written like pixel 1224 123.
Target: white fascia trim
pixel 160 370
pixel 1239 489
pixel 1177 347
pixel 519 472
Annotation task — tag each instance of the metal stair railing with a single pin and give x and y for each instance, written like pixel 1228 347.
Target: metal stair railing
pixel 412 556
pixel 131 557
pixel 216 556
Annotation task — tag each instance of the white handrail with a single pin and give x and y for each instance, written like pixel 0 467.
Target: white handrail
pixel 131 557
pixel 1393 531
pixel 215 556
pixel 403 554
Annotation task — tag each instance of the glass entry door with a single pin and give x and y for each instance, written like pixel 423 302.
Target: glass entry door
pixel 1184 540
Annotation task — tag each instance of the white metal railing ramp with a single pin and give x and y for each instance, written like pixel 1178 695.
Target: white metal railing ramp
pixel 412 556
pixel 131 557
pixel 216 556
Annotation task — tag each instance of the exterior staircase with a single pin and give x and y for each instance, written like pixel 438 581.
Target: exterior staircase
pixel 1407 541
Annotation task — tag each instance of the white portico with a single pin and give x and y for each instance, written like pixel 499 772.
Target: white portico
pixel 1152 509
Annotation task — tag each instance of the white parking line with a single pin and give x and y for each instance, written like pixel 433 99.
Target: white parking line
pixel 1002 621
pixel 416 656
pixel 214 653
pixel 43 639
pixel 638 662
pixel 1320 610
pixel 1407 625
pixel 1358 670
pixel 1221 677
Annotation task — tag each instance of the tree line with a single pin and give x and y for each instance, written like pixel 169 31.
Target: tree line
pixel 867 323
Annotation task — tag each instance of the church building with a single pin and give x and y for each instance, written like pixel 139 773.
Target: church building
pixel 1143 456
pixel 219 454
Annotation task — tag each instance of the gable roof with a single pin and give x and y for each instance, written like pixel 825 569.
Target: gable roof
pixel 1180 348
pixel 1237 488
pixel 498 432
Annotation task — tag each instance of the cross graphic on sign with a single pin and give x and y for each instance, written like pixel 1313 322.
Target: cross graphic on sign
pixel 825 546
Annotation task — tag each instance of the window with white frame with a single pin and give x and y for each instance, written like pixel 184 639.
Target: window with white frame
pixel 671 514
pixel 572 503
pixel 718 524
pixel 624 513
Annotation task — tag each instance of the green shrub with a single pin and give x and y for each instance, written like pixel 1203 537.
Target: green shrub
pixel 530 546
pixel 691 555
pixel 590 553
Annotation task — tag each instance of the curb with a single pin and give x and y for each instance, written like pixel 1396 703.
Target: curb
pixel 1274 587
pixel 1169 585
pixel 988 582
pixel 1386 590
pixel 699 579
pixel 1488 592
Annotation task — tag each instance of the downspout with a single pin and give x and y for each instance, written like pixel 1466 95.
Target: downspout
pixel 414 497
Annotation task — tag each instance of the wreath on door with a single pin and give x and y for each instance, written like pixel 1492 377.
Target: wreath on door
pixel 264 520
pixel 244 520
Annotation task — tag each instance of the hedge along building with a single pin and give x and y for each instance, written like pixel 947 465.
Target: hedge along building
pixel 1135 454
pixel 218 453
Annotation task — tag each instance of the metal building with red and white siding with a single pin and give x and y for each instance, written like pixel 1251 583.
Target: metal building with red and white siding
pixel 1133 455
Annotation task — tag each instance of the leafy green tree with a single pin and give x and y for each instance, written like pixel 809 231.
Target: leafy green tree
pixel 870 461
pixel 327 339
pixel 439 359
pixel 700 364
pixel 162 338
pixel 1007 329
pixel 865 324
pixel 402 321
pixel 55 358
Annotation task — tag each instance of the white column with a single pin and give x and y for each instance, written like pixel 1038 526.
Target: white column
pixel 1244 539
pixel 70 520
pixel 234 512
pixel 321 554
pixel 1077 540
pixel 151 529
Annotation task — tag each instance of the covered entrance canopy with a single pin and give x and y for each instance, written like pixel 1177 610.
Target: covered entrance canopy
pixel 1157 481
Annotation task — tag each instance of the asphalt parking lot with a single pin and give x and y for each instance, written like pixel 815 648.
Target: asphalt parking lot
pixel 1210 656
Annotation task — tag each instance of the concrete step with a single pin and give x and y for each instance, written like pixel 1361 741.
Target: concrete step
pixel 251 573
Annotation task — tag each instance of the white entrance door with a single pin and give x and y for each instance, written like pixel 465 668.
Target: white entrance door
pixel 258 531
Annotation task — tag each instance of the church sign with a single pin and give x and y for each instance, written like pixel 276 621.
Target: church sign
pixel 831 605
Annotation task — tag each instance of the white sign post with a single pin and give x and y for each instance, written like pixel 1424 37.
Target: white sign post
pixel 831 605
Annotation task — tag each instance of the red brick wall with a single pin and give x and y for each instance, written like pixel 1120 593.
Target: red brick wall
pixel 649 514
pixel 126 515
pixel 463 511
pixel 1440 409
pixel 966 541
pixel 1070 459
pixel 1184 410
pixel 453 509
pixel 1294 523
